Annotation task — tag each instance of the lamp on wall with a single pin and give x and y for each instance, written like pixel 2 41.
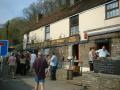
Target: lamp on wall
pixel 62 36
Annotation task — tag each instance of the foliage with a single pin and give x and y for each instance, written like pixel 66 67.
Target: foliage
pixel 43 7
pixel 31 12
pixel 14 30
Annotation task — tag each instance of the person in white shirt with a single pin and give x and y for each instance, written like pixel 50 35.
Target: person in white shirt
pixel 103 52
pixel 32 60
pixel 53 66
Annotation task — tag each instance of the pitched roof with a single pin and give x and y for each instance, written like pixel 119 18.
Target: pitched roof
pixel 78 7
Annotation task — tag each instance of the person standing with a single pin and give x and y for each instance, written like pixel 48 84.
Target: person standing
pixel 1 63
pixel 32 59
pixel 22 64
pixel 12 64
pixel 53 66
pixel 92 56
pixel 48 62
pixel 27 56
pixel 102 52
pixel 62 62
pixel 39 67
pixel 18 63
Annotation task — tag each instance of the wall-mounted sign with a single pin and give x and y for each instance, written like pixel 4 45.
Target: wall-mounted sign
pixel 73 39
pixel 59 42
pixel 3 47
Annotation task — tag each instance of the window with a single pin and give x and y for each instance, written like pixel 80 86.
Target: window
pixel 74 25
pixel 112 9
pixel 47 32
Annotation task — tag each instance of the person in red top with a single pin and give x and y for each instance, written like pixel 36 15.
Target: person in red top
pixel 39 66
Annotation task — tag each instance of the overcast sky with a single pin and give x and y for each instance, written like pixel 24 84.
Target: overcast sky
pixel 12 8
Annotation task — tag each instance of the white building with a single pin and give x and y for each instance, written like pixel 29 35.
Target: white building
pixel 74 30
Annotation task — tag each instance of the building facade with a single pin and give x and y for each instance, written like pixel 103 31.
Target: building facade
pixel 71 32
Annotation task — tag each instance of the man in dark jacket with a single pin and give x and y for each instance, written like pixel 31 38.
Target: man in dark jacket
pixel 39 66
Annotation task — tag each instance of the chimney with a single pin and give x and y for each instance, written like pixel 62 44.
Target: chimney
pixel 38 17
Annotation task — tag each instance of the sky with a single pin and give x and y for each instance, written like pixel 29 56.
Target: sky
pixel 12 8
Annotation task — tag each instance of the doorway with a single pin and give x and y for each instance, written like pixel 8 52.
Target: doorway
pixel 75 50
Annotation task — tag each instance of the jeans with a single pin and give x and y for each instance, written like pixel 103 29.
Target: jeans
pixel 91 65
pixel 53 72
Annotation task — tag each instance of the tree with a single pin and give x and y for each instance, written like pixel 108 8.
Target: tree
pixel 43 7
pixel 14 30
pixel 31 12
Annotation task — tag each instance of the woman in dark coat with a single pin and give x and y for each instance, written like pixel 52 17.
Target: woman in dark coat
pixel 39 66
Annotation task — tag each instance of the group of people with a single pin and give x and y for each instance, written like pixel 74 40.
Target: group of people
pixel 94 54
pixel 43 65
pixel 35 63
pixel 19 63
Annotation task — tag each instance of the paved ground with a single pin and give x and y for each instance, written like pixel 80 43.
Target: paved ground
pixel 27 83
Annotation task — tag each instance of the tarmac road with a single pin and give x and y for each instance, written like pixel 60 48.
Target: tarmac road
pixel 27 83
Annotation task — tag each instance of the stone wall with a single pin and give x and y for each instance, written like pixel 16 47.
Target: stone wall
pixel 115 47
pixel 84 52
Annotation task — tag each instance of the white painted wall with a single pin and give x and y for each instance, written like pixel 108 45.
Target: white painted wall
pixel 92 19
pixel 59 28
pixel 95 18
pixel 37 35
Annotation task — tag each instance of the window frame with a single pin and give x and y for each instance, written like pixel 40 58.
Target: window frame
pixel 106 10
pixel 47 32
pixel 70 33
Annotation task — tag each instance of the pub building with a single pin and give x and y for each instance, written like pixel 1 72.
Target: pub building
pixel 72 31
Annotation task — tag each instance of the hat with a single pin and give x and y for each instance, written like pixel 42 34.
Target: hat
pixel 69 57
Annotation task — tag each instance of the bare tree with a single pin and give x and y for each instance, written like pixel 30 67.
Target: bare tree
pixel 31 12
